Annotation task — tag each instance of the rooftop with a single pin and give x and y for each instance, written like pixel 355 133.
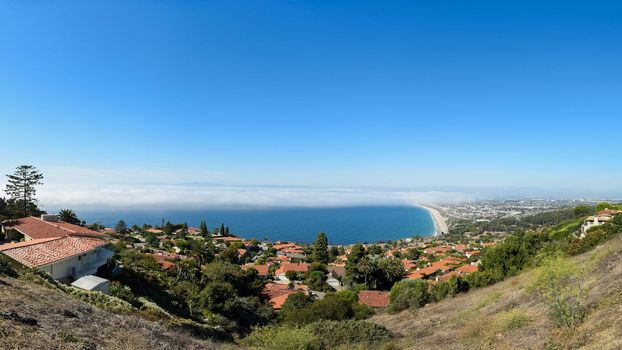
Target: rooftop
pixel 44 251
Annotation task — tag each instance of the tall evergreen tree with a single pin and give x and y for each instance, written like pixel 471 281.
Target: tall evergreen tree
pixel 120 227
pixel 222 230
pixel 21 189
pixel 320 248
pixel 203 228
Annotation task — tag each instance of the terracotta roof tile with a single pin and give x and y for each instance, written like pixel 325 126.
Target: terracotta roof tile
pixel 374 298
pixel 287 266
pixel 39 252
pixel 36 228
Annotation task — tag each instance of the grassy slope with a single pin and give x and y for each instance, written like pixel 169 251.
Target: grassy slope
pixel 66 323
pixel 507 316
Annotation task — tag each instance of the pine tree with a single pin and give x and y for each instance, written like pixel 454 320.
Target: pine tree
pixel 222 230
pixel 121 227
pixel 320 249
pixel 21 187
pixel 203 228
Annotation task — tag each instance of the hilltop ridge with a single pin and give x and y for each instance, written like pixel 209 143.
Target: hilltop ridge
pixel 507 315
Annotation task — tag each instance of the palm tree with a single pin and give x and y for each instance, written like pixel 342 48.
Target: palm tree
pixel 68 216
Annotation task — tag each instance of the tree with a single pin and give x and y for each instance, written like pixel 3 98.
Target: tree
pixel 333 253
pixel 352 263
pixel 388 272
pixel 120 227
pixel 315 281
pixel 320 249
pixel 203 228
pixel 409 294
pixel 602 206
pixel 222 231
pixel 69 216
pixel 582 210
pixel 21 187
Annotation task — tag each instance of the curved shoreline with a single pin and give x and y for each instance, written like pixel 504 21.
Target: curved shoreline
pixel 440 225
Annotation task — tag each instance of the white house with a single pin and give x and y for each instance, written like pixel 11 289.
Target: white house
pixel 593 221
pixel 64 258
pixel 65 251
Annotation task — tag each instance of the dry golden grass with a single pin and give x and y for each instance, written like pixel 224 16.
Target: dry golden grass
pixel 66 323
pixel 508 316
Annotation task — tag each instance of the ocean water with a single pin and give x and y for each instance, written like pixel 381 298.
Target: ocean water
pixel 345 225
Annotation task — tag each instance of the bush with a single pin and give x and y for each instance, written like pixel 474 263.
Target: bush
pixel 361 311
pixel 332 307
pixel 559 282
pixel 334 333
pixel 408 294
pixel 317 335
pixel 123 292
pixel 5 267
pixel 285 337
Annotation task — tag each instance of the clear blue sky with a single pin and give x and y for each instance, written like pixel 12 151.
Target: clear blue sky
pixel 315 93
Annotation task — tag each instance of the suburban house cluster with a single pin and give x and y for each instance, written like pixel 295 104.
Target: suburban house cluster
pixel 439 262
pixel 67 252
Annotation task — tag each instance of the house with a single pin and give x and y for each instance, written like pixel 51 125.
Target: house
pixel 64 258
pixel 45 227
pixel 278 293
pixel 593 221
pixel 408 264
pixel 227 239
pixel 286 267
pixel 373 298
pixel 92 284
pixel 466 269
pixel 262 270
pixel 63 250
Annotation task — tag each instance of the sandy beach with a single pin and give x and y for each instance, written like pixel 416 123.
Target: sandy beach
pixel 439 221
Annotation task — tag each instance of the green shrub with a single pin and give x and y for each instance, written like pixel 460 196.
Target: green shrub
pixel 152 311
pixel 560 283
pixel 5 267
pixel 332 307
pixel 284 337
pixel 361 311
pixel 408 294
pixel 334 333
pixel 317 335
pixel 123 292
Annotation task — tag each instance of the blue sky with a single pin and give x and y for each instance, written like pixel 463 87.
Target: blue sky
pixel 399 94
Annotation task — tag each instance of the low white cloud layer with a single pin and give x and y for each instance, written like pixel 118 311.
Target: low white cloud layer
pixel 211 196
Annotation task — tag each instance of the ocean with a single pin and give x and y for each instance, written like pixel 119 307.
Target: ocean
pixel 345 225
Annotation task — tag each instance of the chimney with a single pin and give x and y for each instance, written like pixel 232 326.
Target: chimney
pixel 49 217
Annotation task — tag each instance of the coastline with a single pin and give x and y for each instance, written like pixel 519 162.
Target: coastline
pixel 439 221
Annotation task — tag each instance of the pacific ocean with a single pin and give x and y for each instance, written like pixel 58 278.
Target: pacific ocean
pixel 342 225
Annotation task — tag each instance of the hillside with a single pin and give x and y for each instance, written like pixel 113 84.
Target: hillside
pixel 508 316
pixel 66 323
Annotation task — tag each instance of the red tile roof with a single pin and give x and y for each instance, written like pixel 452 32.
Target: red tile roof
pixel 408 264
pixel 228 239
pixel 374 298
pixel 44 251
pixel 36 228
pixel 467 268
pixel 277 302
pixel 298 267
pixel 448 276
pixel 262 270
pixel 609 212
